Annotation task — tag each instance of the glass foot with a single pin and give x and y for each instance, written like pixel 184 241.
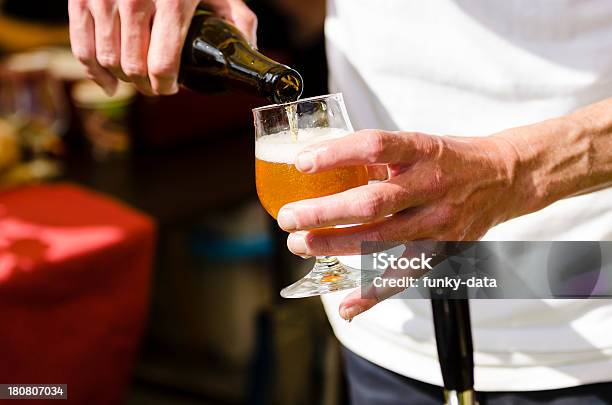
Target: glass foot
pixel 328 275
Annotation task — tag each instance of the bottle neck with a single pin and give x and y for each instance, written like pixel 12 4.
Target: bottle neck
pixel 217 49
pixel 282 84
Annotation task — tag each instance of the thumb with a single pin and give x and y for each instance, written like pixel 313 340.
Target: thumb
pixel 239 14
pixel 245 20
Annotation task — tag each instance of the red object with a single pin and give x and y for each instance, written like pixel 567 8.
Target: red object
pixel 75 269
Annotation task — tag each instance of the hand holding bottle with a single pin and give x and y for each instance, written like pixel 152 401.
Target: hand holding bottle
pixel 140 41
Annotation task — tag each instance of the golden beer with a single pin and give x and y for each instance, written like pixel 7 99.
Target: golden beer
pixel 279 182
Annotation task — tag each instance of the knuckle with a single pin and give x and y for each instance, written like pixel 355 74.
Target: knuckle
pixel 134 67
pixel 436 145
pixel 133 6
pixel 444 217
pixel 134 71
pixel 102 6
pixel 79 5
pixel 311 216
pixel 180 12
pixel 315 244
pixel 370 206
pixel 314 216
pixel 162 70
pixel 170 5
pixel 375 144
pixel 108 60
pixel 86 58
pixel 435 185
pixel 299 216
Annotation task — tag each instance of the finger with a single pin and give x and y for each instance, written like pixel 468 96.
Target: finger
pixel 359 205
pixel 366 148
pixel 245 20
pixel 136 16
pixel 364 298
pixel 414 223
pixel 82 40
pixel 387 285
pixel 364 204
pixel 239 14
pixel 168 33
pixel 356 303
pixel 108 37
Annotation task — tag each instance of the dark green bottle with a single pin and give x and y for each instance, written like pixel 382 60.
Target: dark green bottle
pixel 217 56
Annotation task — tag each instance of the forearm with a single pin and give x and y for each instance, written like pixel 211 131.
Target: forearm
pixel 562 157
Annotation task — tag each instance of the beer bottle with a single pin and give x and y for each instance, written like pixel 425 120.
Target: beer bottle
pixel 217 56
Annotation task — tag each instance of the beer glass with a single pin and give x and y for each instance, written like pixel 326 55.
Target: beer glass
pixel 281 132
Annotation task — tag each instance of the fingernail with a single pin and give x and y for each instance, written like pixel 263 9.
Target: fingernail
pixel 305 257
pixel 286 219
pixel 349 313
pixel 296 242
pixel 305 161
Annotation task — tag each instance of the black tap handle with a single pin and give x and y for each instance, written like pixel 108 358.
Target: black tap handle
pixel 454 342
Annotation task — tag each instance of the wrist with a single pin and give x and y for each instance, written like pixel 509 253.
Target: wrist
pixel 522 162
pixel 548 162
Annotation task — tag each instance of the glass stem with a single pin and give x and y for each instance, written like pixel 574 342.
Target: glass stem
pixel 328 265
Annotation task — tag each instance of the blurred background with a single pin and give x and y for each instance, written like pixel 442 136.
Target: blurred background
pixel 136 264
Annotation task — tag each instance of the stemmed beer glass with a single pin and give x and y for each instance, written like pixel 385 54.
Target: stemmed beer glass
pixel 281 132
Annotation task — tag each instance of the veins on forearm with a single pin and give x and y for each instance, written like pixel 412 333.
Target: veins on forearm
pixel 566 156
pixel 592 137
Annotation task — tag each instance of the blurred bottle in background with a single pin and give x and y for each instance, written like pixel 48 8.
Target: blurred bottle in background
pixel 32 102
pixel 30 95
pixel 105 119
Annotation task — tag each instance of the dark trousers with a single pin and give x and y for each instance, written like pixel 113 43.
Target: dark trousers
pixel 370 384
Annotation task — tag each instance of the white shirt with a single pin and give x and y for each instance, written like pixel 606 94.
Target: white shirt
pixel 473 68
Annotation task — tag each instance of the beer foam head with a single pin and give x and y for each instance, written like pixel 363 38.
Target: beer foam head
pixel 282 148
